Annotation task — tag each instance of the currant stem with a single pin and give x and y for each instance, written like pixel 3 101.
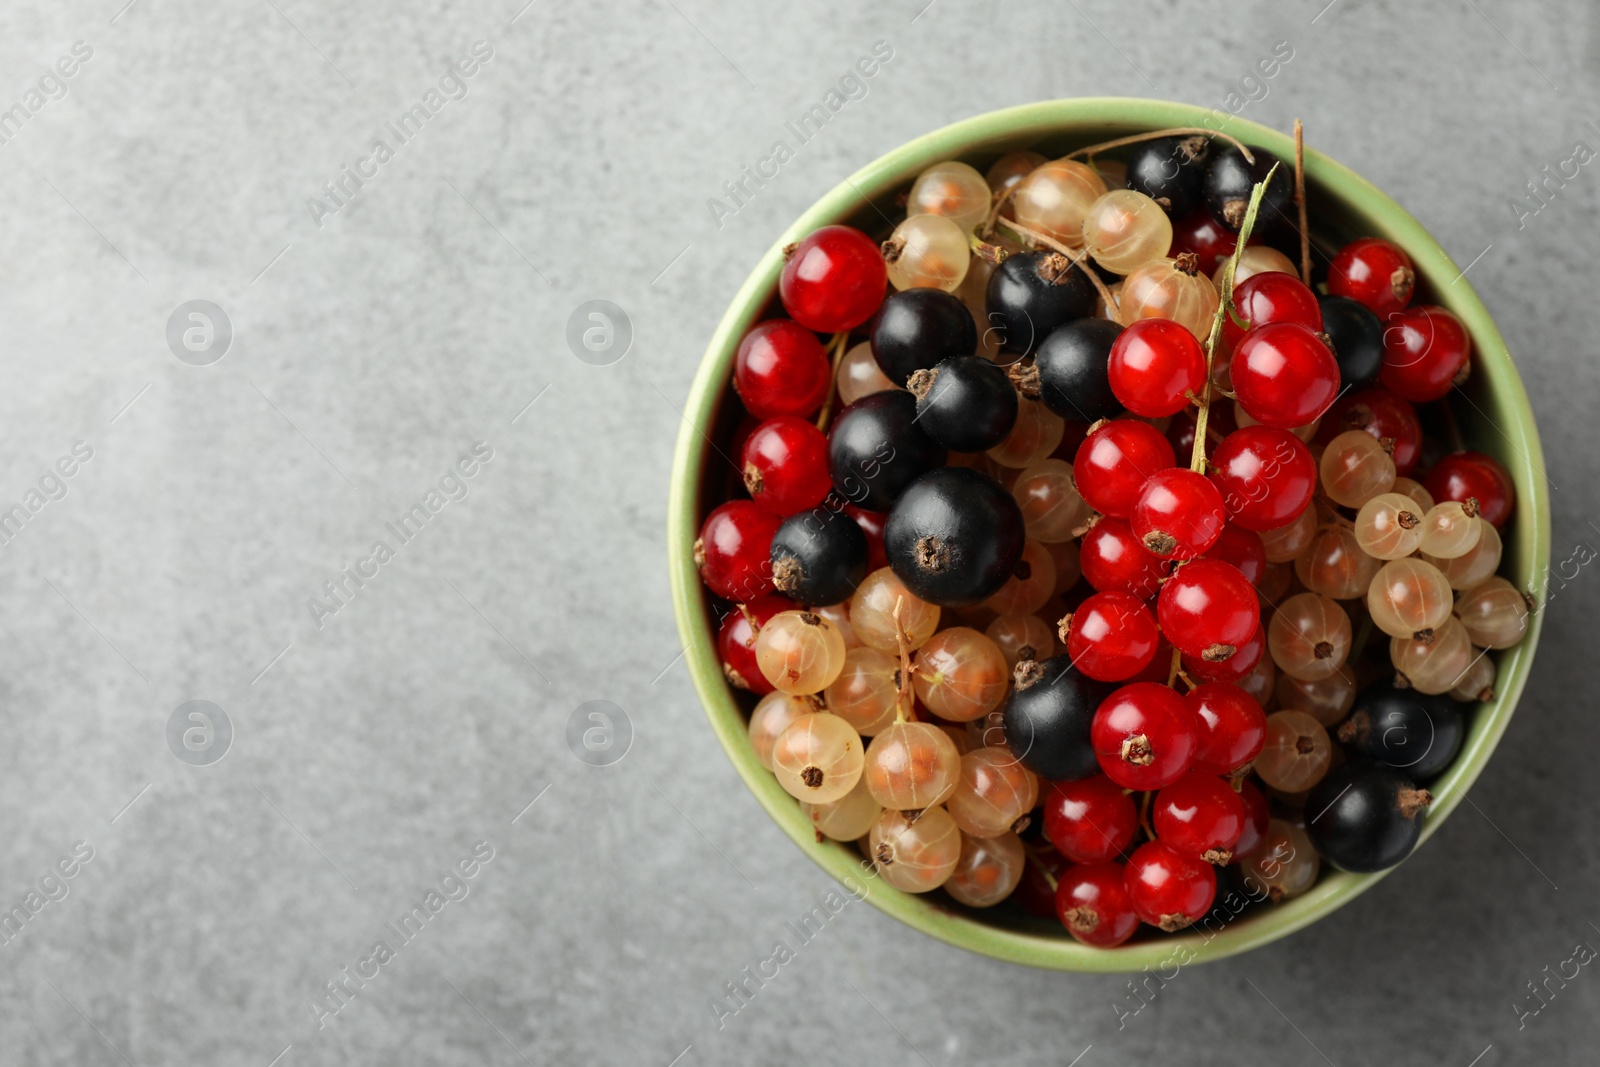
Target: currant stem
pixel 1051 880
pixel 1078 257
pixel 994 212
pixel 1179 131
pixel 1300 200
pixel 837 345
pixel 904 687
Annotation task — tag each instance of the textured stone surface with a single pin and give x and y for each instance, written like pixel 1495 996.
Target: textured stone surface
pixel 372 351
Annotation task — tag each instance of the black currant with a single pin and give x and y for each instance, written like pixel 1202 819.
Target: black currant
pixel 1171 171
pixel 1047 719
pixel 1357 338
pixel 915 329
pixel 1072 364
pixel 966 403
pixel 1030 294
pixel 954 537
pixel 1408 730
pixel 1365 816
pixel 1229 180
pixel 876 449
pixel 819 556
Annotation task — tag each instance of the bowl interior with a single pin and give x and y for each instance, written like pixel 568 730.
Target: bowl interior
pixel 1491 410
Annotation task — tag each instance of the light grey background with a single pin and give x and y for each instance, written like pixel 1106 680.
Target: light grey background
pixel 370 353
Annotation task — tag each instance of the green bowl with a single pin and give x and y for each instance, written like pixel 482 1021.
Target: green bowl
pixel 1492 411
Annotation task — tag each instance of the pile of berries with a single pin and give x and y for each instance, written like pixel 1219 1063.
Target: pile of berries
pixel 1067 558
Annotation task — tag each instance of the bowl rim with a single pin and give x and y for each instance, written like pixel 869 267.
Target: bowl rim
pixel 1527 553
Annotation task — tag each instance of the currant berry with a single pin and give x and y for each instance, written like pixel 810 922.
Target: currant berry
pixel 1178 514
pixel 1170 289
pixel 1236 669
pixel 1284 864
pixel 1052 510
pixel 1450 529
pixel 1072 364
pixel 960 675
pixel 1433 661
pixel 1143 736
pixel 1266 476
pixel 1357 339
pixel 912 765
pixel 1180 431
pixel 966 403
pixel 1375 273
pixel 1156 367
pixel 1124 229
pixel 1171 171
pixel 1290 542
pixel 1230 178
pixel 1169 890
pixel 1479 562
pixel 918 329
pixel 1408 596
pixel 1418 733
pixel 1328 700
pixel 1202 236
pixel 1030 585
pixel 1114 560
pixel 1382 415
pixel 916 852
pixel 799 652
pixel 1389 526
pixel 1494 613
pixel 736 642
pixel 774 714
pixel 1474 475
pixel 1054 198
pixel 1309 636
pixel 1257 819
pixel 953 189
pixel 1230 727
pixel 1426 352
pixel 1032 294
pixel 871 523
pixel 1114 461
pixel 954 537
pixel 1243 550
pixel 731 551
pixel 859 375
pixel 780 369
pixel 987 871
pixel 1022 637
pixel 867 694
pixel 1047 718
pixel 833 280
pixel 785 462
pixel 1271 296
pixel 885 613
pixel 1008 171
pixel 1200 817
pixel 1207 610
pixel 1369 816
pixel 1284 374
pixel 1355 468
pixel 817 758
pixel 1089 821
pixel 876 449
pixel 1094 905
pixel 993 793
pixel 1111 636
pixel 1258 259
pixel 1297 752
pixel 1476 684
pixel 849 818
pixel 1035 436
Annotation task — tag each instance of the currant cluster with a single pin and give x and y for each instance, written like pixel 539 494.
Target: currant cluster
pixel 1078 591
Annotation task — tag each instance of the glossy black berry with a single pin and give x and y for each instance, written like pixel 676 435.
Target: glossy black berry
pixel 1357 338
pixel 1229 180
pixel 954 537
pixel 819 556
pixel 966 403
pixel 1072 365
pixel 1365 816
pixel 1170 171
pixel 1047 719
pixel 1407 730
pixel 916 329
pixel 876 449
pixel 1033 293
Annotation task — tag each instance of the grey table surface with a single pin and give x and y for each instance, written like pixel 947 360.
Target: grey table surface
pixel 379 335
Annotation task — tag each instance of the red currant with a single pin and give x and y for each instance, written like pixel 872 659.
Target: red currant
pixel 734 548
pixel 781 369
pixel 833 280
pixel 1111 636
pixel 1207 609
pixel 1271 296
pixel 1199 233
pixel 1113 560
pixel 1156 366
pixel 1266 477
pixel 786 465
pixel 1243 549
pixel 1473 474
pixel 1284 374
pixel 1381 414
pixel 1426 352
pixel 871 523
pixel 1178 514
pixel 1200 817
pixel 736 641
pixel 1257 818
pixel 1091 820
pixel 1374 272
pixel 1094 905
pixel 1236 668
pixel 1113 462
pixel 1168 889
pixel 1230 727
pixel 1143 736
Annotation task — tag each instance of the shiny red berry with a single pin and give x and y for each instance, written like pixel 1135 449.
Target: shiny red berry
pixel 1113 462
pixel 786 465
pixel 781 369
pixel 1094 905
pixel 736 641
pixel 1257 818
pixel 1473 474
pixel 1168 889
pixel 833 280
pixel 1155 368
pixel 1143 736
pixel 1207 609
pixel 1374 272
pixel 1091 820
pixel 1266 476
pixel 1230 727
pixel 1113 560
pixel 1426 352
pixel 734 548
pixel 1284 374
pixel 1178 513
pixel 1199 233
pixel 1271 296
pixel 1200 817
pixel 1381 414
pixel 1242 548
pixel 1111 636
pixel 1236 668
